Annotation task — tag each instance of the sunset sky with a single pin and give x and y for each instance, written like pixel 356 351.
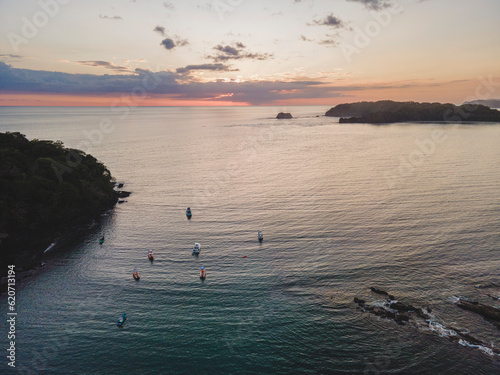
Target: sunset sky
pixel 247 52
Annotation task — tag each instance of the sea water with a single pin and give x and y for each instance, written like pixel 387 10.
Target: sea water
pixel 412 209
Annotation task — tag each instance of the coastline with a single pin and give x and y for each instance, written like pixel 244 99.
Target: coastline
pixel 43 248
pixel 47 190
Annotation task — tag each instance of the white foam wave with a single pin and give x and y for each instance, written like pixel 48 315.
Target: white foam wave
pixel 441 330
pixel 454 299
pixel 483 348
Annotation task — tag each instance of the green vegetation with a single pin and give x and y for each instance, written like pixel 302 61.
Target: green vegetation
pixel 387 111
pixel 44 189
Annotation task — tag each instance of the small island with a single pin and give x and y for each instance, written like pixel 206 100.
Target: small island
pixel 283 115
pixel 387 111
pixel 45 190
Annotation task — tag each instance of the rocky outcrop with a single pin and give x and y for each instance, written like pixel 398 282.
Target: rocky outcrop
pixel 403 313
pixel 283 115
pixel 488 312
pixel 383 292
pixel 123 194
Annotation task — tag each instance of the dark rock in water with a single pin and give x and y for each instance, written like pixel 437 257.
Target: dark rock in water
pixel 421 314
pixel 123 194
pixel 400 306
pixel 402 313
pixel 120 185
pixel 379 311
pixel 359 301
pixel 391 297
pixel 402 317
pixel 390 315
pixel 382 292
pixel 283 115
pixel 487 286
pixel 486 311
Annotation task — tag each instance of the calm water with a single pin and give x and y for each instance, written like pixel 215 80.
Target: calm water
pixel 342 208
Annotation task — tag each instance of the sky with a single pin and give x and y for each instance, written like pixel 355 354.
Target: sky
pixel 247 52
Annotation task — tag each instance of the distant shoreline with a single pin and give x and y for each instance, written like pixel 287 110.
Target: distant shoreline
pixel 388 112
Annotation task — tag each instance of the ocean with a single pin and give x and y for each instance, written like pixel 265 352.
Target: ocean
pixel 413 209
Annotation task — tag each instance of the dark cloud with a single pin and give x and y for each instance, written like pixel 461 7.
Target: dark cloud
pixel 105 64
pixel 236 51
pixel 305 39
pixel 329 42
pixel 110 18
pixel 227 50
pixel 331 21
pixel 374 4
pixel 25 80
pixel 168 43
pixel 160 30
pixel 174 85
pixel 211 67
pixel 156 84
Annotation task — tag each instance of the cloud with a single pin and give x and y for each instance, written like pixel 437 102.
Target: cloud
pixel 38 81
pixel 105 64
pixel 160 30
pixel 331 21
pixel 228 50
pixel 110 18
pixel 158 84
pixel 168 5
pixel 168 43
pixel 236 51
pixel 181 42
pixel 305 39
pixel 174 85
pixel 374 4
pixel 136 60
pixel 329 42
pixel 210 67
pixel 10 56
